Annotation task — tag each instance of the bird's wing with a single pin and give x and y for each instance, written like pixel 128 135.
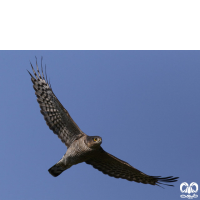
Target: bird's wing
pixel 55 115
pixel 112 166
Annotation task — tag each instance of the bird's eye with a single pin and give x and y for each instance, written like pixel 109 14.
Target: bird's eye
pixel 95 139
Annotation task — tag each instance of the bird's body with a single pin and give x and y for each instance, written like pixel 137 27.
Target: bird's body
pixel 78 152
pixel 81 147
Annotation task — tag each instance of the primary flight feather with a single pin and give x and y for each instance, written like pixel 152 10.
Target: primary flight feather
pixel 81 147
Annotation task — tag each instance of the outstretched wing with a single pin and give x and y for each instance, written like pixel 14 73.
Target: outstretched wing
pixel 112 166
pixel 55 115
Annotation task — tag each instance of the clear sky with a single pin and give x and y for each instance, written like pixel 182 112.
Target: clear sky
pixel 144 105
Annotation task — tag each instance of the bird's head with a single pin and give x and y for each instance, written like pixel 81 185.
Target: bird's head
pixel 93 142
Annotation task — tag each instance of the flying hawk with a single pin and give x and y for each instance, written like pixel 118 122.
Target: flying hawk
pixel 81 147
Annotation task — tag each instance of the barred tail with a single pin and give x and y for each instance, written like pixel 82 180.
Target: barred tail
pixel 57 169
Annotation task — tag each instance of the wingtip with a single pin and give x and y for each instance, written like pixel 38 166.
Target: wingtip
pixel 29 73
pixel 168 179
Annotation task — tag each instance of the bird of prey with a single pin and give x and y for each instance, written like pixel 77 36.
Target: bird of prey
pixel 81 147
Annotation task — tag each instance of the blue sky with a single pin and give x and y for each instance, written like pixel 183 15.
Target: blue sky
pixel 144 105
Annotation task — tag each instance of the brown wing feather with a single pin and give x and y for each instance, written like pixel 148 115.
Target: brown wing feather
pixel 112 166
pixel 55 115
